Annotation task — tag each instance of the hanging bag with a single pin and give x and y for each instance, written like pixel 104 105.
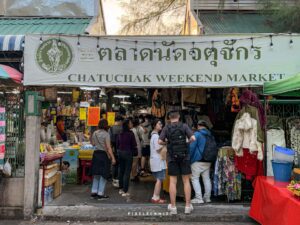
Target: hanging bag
pixel 7 169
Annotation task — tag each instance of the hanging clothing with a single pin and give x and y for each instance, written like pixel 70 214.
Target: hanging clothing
pixel 245 136
pixel 253 114
pixel 274 122
pixel 227 179
pixel 194 95
pixel 232 99
pixel 250 98
pixel 158 107
pixel 249 165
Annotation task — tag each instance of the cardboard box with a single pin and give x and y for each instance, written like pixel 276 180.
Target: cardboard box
pixel 57 185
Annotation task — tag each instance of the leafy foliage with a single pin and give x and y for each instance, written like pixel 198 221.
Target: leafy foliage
pixel 146 17
pixel 285 15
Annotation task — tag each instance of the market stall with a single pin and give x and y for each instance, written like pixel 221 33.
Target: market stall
pixel 157 75
pixel 271 194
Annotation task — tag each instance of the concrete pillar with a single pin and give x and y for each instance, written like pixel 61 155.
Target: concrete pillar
pixel 32 161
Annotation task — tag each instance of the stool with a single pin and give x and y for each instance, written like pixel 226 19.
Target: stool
pixel 85 164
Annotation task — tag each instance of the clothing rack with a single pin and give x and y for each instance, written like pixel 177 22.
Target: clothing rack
pixel 282 108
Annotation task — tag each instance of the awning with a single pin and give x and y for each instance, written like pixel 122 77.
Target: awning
pixel 286 87
pixel 9 74
pixel 11 42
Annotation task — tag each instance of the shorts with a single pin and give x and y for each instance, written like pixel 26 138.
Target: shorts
pixel 146 151
pixel 176 168
pixel 160 175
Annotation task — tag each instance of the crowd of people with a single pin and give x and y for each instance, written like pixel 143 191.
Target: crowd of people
pixel 125 150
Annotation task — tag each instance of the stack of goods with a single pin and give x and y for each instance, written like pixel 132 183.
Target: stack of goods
pixel 63 110
pixel 52 182
pixel 86 152
pixel 47 152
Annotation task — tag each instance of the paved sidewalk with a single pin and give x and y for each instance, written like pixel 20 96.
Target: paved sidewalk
pixel 112 223
pixel 145 212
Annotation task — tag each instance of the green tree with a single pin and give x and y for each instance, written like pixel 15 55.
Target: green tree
pixel 284 15
pixel 146 17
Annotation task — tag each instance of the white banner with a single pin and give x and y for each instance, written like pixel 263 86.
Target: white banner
pixel 160 61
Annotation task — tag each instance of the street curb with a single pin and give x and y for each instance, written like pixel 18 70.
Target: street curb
pixel 153 213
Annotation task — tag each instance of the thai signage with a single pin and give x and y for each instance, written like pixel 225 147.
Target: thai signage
pixel 160 61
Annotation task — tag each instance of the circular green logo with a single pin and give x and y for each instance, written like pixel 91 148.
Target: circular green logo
pixel 54 56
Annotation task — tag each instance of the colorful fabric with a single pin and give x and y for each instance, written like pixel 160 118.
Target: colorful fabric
pixel 249 165
pixel 227 180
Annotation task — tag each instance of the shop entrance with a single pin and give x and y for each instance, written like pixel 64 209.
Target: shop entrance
pixel 66 135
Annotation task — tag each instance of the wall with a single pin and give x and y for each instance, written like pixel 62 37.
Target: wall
pixel 12 192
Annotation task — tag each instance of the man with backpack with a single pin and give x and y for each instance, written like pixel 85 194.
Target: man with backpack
pixel 203 152
pixel 176 135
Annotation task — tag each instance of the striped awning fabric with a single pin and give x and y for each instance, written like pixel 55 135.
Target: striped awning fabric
pixel 11 42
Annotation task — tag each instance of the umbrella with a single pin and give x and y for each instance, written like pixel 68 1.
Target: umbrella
pixel 10 75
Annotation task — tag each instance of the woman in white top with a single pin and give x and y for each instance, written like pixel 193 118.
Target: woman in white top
pixel 158 166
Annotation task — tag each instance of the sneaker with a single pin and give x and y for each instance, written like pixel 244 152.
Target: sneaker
pixel 115 183
pixel 188 210
pixel 102 197
pixel 121 192
pixel 125 194
pixel 207 200
pixel 93 195
pixel 172 210
pixel 197 201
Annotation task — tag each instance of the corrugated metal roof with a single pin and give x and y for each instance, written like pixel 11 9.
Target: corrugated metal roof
pixel 235 23
pixel 18 26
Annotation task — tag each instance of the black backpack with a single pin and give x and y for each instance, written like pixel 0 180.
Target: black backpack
pixel 177 145
pixel 210 150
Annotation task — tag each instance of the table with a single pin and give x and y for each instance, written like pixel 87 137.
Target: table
pixel 44 163
pixel 273 204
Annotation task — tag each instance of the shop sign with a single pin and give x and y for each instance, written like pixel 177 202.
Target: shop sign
pixel 160 61
pixel 2 136
pixel 82 114
pixel 93 116
pixel 111 118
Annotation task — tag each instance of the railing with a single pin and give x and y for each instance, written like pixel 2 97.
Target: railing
pixel 15 132
pixel 230 4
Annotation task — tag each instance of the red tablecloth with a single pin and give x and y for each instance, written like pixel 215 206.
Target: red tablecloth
pixel 273 204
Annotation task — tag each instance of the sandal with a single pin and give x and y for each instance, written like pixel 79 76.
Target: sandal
pixel 158 201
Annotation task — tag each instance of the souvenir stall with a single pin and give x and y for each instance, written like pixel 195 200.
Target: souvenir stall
pixel 282 143
pixel 69 116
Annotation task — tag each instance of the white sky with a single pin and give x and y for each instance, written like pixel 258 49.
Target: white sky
pixel 112 14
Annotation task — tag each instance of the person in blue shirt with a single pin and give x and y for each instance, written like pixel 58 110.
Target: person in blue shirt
pixel 198 165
